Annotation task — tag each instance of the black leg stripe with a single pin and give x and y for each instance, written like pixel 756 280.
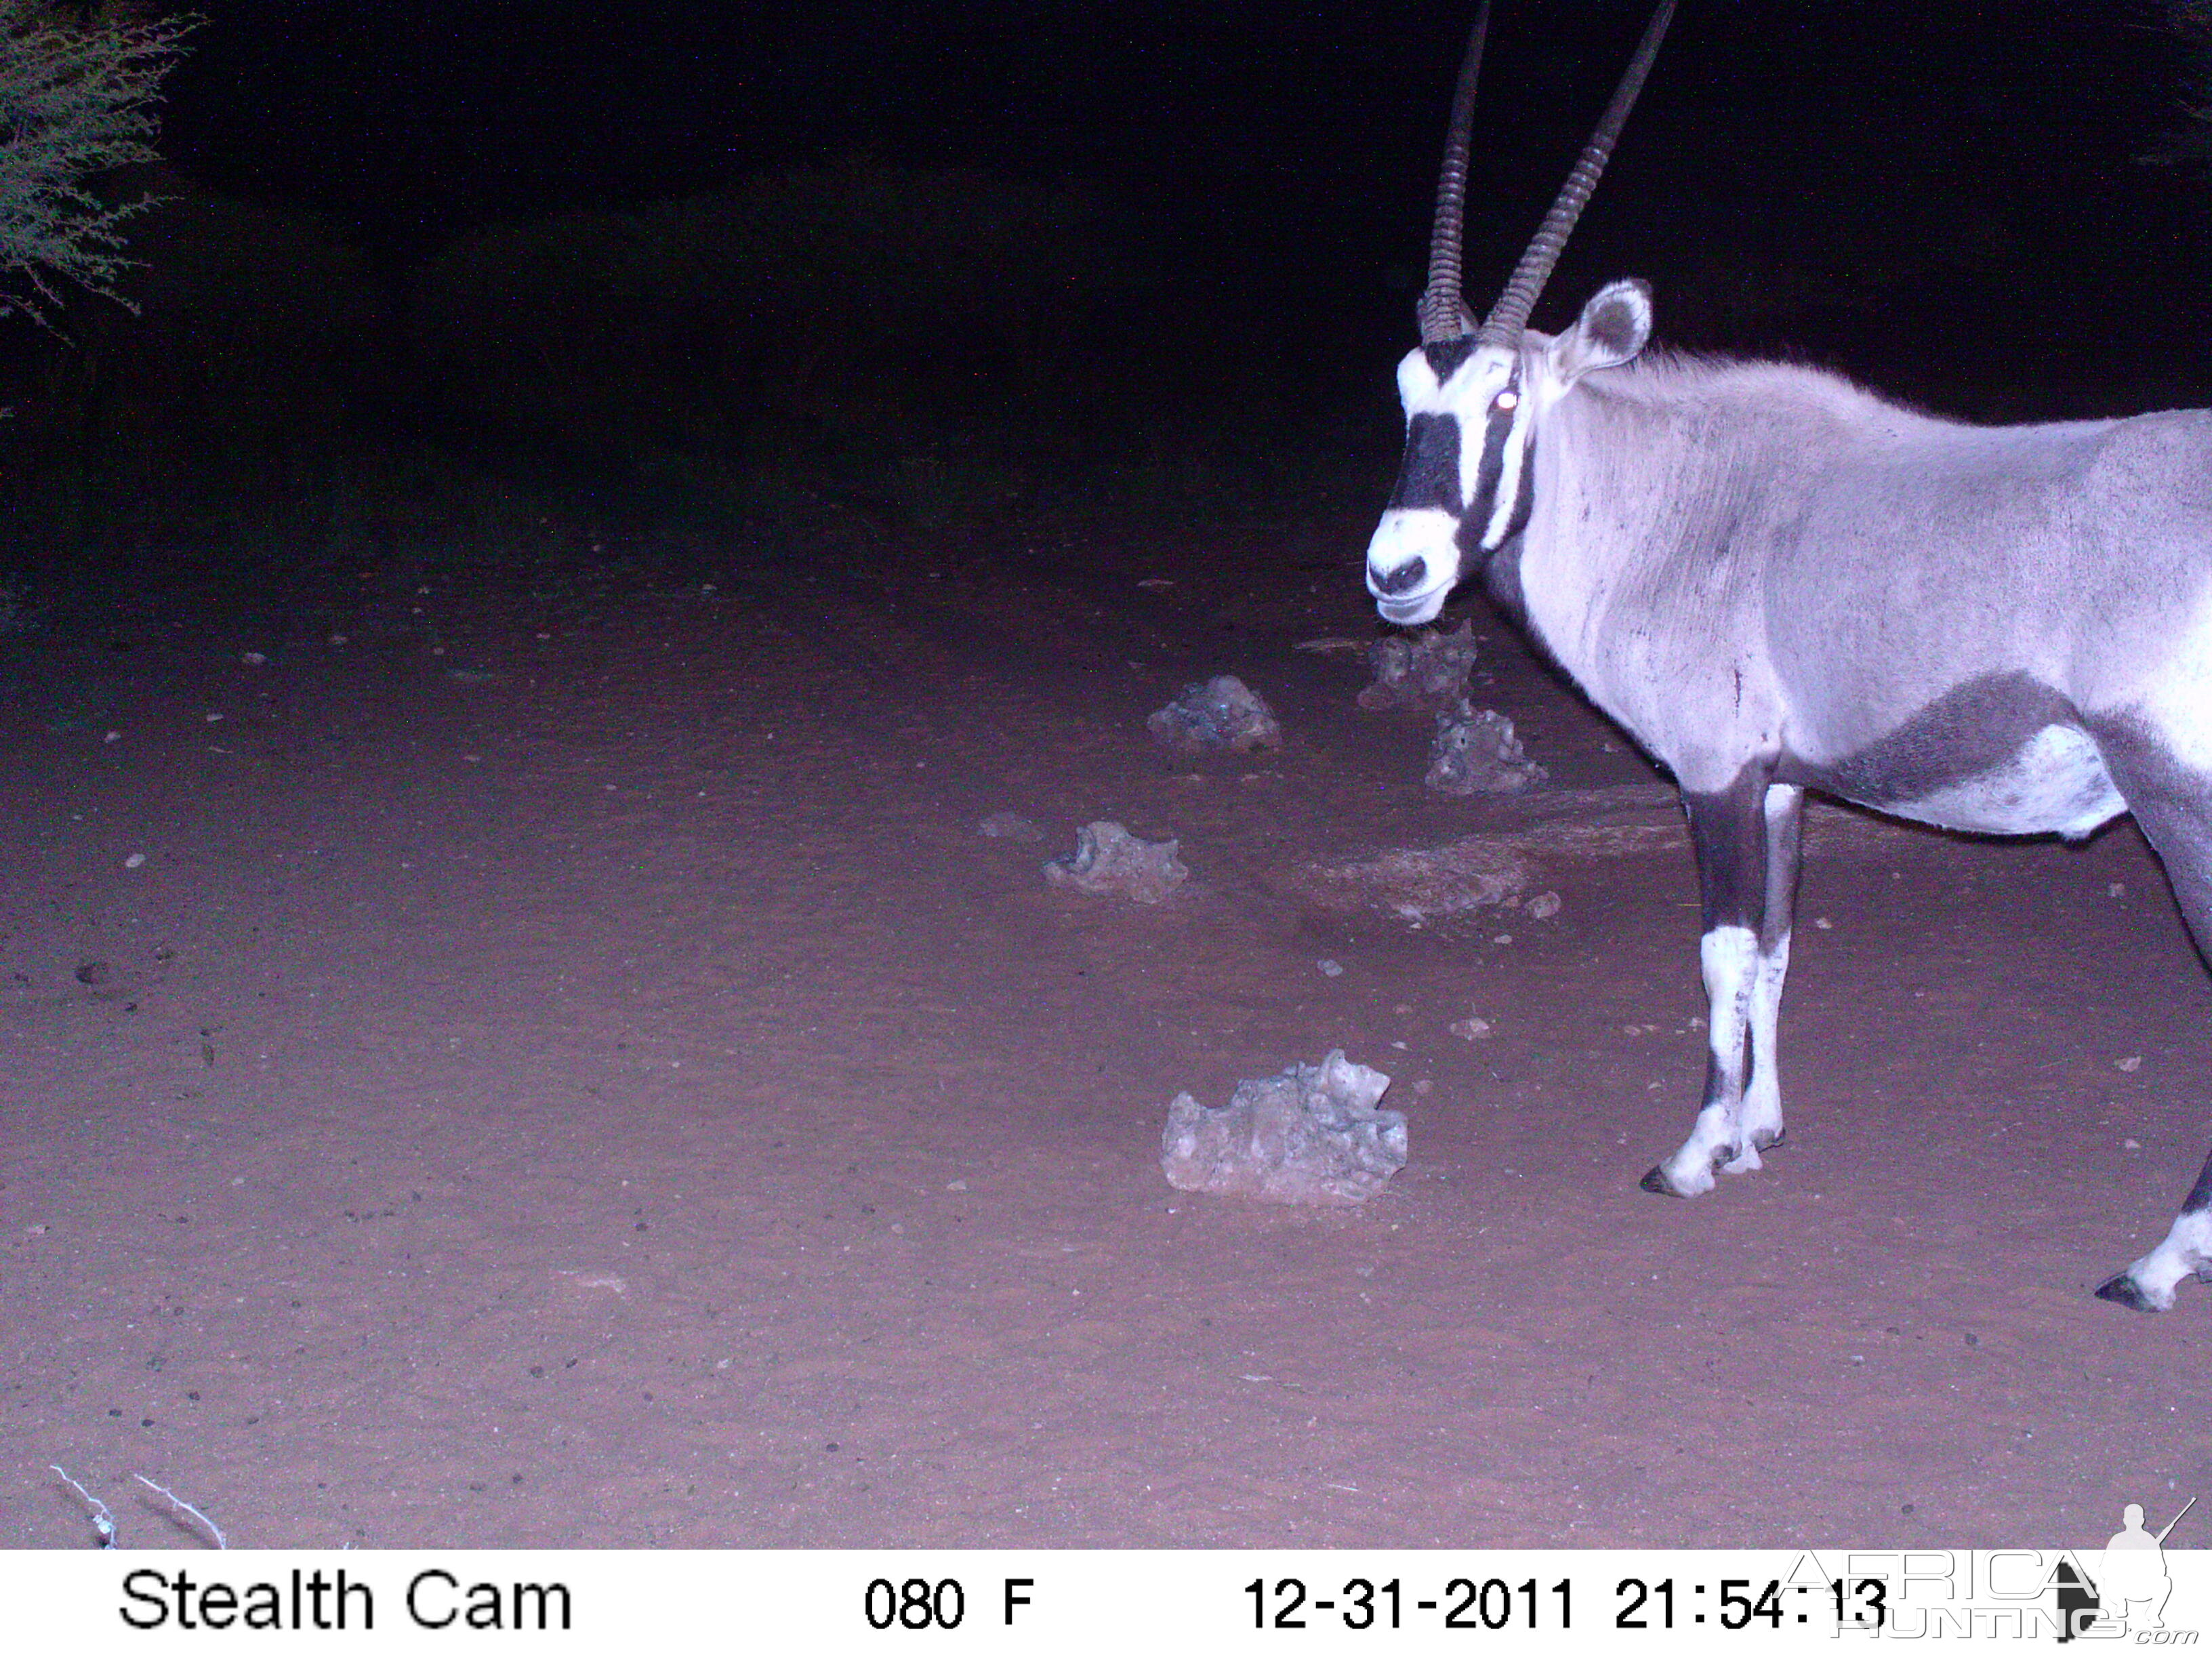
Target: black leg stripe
pixel 2200 1196
pixel 1728 828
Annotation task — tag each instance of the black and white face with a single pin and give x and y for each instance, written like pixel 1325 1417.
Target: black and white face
pixel 1459 482
pixel 1466 485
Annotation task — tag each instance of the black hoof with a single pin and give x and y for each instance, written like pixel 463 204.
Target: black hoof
pixel 2121 1289
pixel 1764 1141
pixel 1655 1181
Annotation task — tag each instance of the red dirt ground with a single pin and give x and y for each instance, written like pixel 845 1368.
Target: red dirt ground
pixel 568 1070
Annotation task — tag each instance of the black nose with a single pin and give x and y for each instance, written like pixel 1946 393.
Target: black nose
pixel 1409 574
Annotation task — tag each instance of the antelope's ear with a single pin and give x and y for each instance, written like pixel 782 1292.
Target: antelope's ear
pixel 1614 327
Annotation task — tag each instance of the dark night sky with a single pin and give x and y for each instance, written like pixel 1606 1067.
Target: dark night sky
pixel 1986 152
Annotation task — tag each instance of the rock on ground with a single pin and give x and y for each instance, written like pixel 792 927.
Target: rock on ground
pixel 1312 1134
pixel 1416 883
pixel 1428 670
pixel 1222 714
pixel 1475 752
pixel 1009 826
pixel 1109 860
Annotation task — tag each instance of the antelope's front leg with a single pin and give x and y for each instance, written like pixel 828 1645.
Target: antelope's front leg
pixel 1747 840
pixel 1759 1120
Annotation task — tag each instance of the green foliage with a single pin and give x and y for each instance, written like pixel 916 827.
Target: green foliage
pixel 77 91
pixel 244 338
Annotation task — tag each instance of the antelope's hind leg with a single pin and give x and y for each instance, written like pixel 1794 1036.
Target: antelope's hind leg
pixel 1747 838
pixel 2174 811
pixel 2147 1286
pixel 2173 808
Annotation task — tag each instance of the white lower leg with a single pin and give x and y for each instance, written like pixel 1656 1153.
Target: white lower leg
pixel 1759 1122
pixel 1729 957
pixel 2185 1250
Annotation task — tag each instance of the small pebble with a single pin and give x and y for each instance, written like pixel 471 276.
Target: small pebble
pixel 2132 1063
pixel 134 861
pixel 2117 890
pixel 252 658
pixel 1330 966
pixel 1544 906
pixel 1472 1027
pixel 2129 1143
pixel 1822 923
pixel 1502 938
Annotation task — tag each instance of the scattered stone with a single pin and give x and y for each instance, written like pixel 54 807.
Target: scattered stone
pixel 1475 752
pixel 1330 967
pixel 1544 906
pixel 1417 884
pixel 134 861
pixel 1224 714
pixel 1428 670
pixel 1312 1134
pixel 1108 860
pixel 1472 1027
pixel 2132 1063
pixel 94 973
pixel 1010 826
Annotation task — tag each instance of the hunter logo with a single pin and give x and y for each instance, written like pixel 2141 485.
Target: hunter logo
pixel 2129 1594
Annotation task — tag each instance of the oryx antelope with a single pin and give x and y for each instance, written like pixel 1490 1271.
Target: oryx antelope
pixel 1778 582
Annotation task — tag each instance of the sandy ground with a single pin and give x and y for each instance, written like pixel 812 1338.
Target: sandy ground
pixel 568 1070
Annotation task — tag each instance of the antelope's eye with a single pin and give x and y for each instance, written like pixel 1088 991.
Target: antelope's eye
pixel 1507 400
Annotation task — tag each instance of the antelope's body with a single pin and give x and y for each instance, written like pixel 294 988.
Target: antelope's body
pixel 1777 582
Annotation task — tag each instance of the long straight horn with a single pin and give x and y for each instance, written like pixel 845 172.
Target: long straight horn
pixel 1442 314
pixel 1511 314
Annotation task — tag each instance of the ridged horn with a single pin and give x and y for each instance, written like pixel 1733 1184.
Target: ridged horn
pixel 1440 311
pixel 1509 316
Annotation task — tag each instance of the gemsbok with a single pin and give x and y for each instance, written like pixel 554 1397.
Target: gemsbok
pixel 1777 581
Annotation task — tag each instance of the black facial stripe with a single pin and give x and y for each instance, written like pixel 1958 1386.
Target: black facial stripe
pixel 1499 429
pixel 1429 474
pixel 1491 470
pixel 1445 355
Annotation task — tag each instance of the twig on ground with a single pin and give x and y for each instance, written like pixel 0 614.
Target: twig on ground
pixel 214 1531
pixel 103 1519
